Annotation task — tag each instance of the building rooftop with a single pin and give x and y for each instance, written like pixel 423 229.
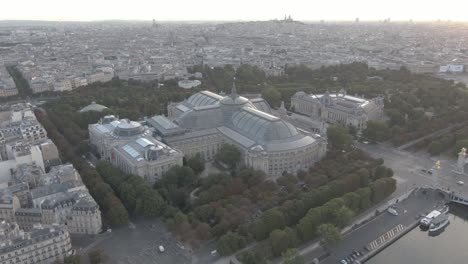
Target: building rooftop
pixel 94 107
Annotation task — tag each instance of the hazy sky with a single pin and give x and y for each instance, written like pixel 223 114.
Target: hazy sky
pixel 85 10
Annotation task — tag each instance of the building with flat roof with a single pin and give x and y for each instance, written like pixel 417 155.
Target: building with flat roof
pixel 207 120
pixel 50 154
pixel 131 147
pixel 338 108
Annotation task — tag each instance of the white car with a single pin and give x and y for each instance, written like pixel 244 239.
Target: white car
pixel 161 248
pixel 392 211
pixel 460 182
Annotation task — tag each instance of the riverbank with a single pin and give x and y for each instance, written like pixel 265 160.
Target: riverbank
pixel 420 202
pixel 418 246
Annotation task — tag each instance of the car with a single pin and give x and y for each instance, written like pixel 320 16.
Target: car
pixel 392 211
pixel 161 248
pixel 423 170
pixel 365 142
pixel 357 253
pixel 214 252
pixel 460 182
pixel 343 261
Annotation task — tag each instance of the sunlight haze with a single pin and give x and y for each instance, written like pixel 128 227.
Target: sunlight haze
pixel 88 10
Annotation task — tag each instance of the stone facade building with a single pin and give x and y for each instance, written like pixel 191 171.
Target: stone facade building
pixel 85 218
pixel 131 147
pixel 205 121
pixel 338 108
pixel 27 218
pixel 41 245
pixel 9 203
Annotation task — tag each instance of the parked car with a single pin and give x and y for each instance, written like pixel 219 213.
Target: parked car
pixel 392 211
pixel 460 182
pixel 161 248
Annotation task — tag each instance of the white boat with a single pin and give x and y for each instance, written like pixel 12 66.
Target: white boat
pixel 439 224
pixel 426 221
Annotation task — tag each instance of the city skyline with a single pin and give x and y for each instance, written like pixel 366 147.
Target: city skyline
pixel 210 10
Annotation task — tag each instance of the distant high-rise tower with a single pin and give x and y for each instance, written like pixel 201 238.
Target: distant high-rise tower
pixel 357 19
pixel 154 22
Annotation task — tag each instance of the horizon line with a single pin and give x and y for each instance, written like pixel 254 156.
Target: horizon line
pixel 234 20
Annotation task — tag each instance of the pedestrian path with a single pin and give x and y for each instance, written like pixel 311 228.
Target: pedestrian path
pixel 385 237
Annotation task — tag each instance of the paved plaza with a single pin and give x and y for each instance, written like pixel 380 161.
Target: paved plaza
pixel 138 245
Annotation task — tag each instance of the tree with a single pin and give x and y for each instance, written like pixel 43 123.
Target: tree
pixel 272 96
pixel 292 256
pixel 376 130
pixel 178 176
pixel 382 188
pixel 95 257
pixel 338 137
pixel 281 240
pixel 196 163
pixel 117 214
pixel 343 216
pixel 74 259
pixel 150 203
pixel 230 243
pixel 329 233
pixel 229 155
pixel 273 219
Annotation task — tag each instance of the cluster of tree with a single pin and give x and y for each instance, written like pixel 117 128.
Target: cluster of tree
pixel 453 141
pixel 228 155
pixel 176 185
pixel 136 194
pixel 223 203
pixel 248 77
pixel 322 222
pixel 111 206
pixel 415 104
pixel 321 212
pixel 339 137
pixel 22 84
pixel 376 131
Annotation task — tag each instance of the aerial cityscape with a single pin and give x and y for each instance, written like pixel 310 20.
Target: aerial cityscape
pixel 233 139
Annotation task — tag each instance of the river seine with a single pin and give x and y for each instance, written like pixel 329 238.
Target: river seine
pixel 449 247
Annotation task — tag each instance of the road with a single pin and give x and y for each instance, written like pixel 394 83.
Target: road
pixel 408 167
pixel 126 245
